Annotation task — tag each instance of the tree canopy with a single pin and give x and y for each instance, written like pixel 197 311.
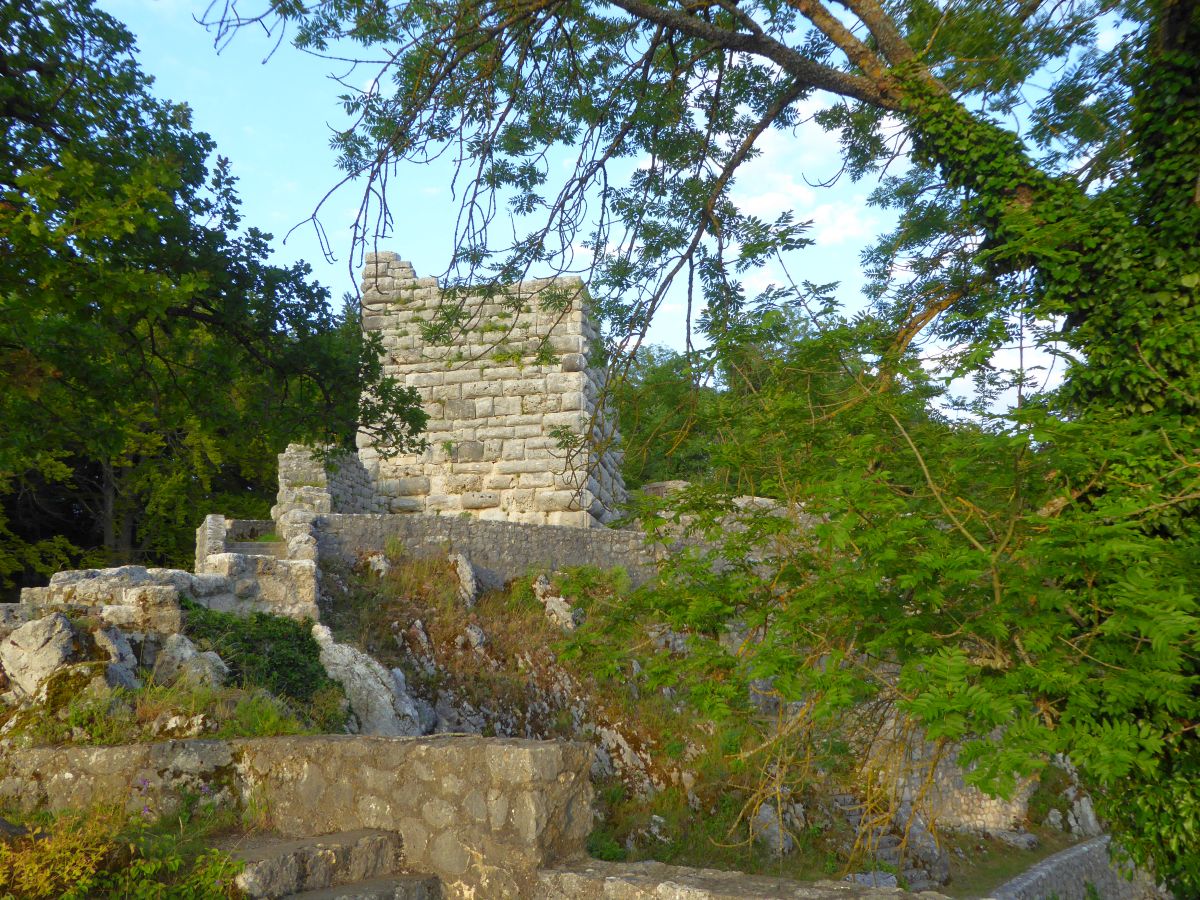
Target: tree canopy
pixel 1039 579
pixel 152 360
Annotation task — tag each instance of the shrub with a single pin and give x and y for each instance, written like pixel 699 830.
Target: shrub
pixel 273 652
pixel 105 853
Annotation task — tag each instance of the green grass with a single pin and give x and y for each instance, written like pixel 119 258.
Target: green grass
pixel 116 716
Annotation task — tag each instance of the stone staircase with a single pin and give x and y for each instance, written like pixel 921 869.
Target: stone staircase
pixel 365 863
pixel 401 887
pixel 273 549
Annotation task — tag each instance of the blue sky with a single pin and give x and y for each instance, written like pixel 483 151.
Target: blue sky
pixel 273 120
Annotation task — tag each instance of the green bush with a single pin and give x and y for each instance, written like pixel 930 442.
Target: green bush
pixel 105 853
pixel 273 652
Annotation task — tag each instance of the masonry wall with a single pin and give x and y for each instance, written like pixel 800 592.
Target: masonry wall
pixel 515 372
pixel 499 551
pixel 342 485
pixel 1079 873
pixel 482 814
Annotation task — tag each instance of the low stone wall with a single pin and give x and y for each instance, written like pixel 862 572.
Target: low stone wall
pixel 282 587
pixel 499 551
pixel 482 814
pixel 211 537
pixel 147 601
pixel 135 599
pixel 1069 875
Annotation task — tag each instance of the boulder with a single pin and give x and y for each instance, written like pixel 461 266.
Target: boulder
pixel 378 563
pixel 205 668
pixel 1082 817
pixel 1022 840
pixel 563 614
pixel 374 693
pixel 468 584
pixel 123 662
pixel 178 659
pixel 475 637
pixel 67 682
pixel 768 830
pixel 33 652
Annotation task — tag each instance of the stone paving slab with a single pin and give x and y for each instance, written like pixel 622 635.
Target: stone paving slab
pixel 594 880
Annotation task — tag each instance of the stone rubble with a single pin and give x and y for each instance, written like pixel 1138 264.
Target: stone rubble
pixel 558 610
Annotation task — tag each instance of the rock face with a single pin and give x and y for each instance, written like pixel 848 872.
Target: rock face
pixel 769 830
pixel 122 668
pixel 37 649
pixel 377 703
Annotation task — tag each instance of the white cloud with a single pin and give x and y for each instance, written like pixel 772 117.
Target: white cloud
pixel 838 223
pixel 1108 38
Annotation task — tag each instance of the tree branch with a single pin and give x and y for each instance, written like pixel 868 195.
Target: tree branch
pixel 804 71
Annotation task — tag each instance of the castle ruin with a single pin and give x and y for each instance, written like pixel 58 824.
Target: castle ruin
pixel 517 430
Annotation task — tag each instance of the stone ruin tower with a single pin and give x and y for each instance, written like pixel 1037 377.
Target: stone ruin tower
pixel 515 374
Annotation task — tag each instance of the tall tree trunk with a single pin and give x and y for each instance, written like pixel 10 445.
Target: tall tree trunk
pixel 108 511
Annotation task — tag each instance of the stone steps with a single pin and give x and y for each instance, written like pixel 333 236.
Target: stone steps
pixel 282 867
pixel 402 887
pixel 276 549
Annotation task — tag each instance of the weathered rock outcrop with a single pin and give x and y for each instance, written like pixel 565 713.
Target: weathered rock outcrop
pixel 377 698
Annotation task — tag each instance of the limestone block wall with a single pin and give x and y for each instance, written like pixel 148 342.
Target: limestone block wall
pixel 953 803
pixel 342 485
pixel 255 582
pixel 516 372
pixel 499 551
pixel 147 601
